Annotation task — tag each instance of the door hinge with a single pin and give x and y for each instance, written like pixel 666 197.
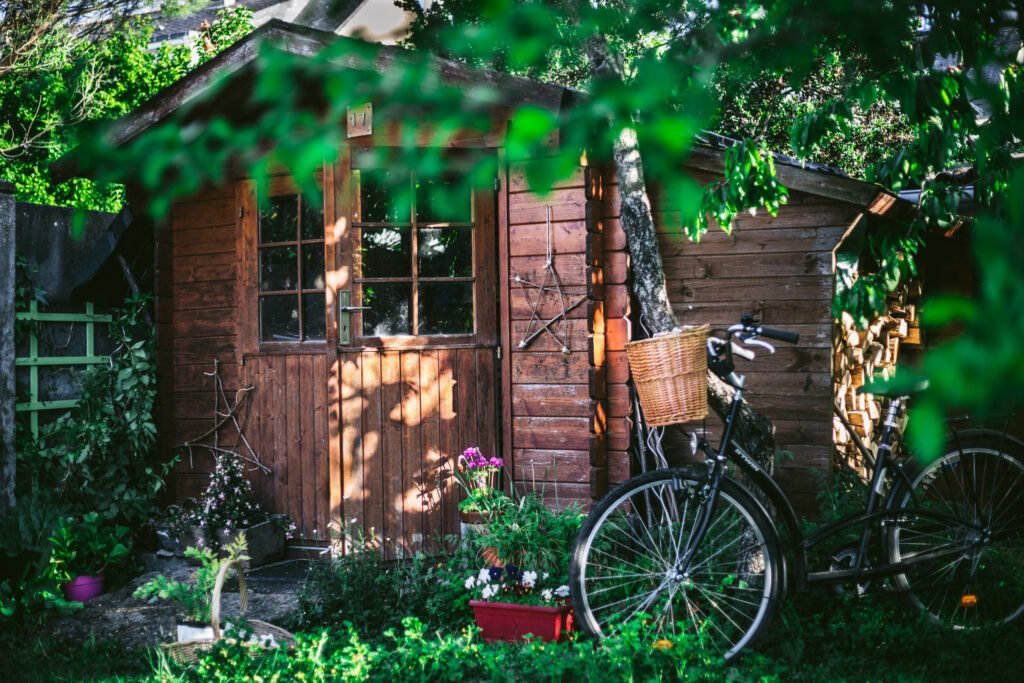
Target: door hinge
pixel 241 210
pixel 499 352
pixel 497 184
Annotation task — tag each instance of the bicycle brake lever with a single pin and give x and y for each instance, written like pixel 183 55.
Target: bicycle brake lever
pixel 738 350
pixel 771 349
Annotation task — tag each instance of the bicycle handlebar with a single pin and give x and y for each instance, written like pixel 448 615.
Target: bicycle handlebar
pixel 778 335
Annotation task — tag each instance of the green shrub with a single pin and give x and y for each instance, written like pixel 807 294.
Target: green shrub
pixel 412 653
pixel 373 594
pixel 98 461
pixel 100 456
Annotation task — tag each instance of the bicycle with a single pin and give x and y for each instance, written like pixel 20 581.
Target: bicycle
pixel 694 552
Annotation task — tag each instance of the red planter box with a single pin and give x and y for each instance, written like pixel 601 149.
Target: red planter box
pixel 510 623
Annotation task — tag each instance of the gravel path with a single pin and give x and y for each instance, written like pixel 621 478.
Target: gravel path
pixel 135 623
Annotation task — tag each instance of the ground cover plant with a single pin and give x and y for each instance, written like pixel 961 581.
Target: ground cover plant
pixel 819 638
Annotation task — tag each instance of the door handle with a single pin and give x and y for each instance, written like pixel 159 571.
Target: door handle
pixel 344 316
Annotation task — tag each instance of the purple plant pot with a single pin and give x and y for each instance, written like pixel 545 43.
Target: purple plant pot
pixel 83 588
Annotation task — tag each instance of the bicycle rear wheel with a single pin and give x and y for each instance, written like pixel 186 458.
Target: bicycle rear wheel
pixel 626 563
pixel 978 487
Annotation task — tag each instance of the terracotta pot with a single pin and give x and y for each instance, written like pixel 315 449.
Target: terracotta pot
pixel 83 588
pixel 500 621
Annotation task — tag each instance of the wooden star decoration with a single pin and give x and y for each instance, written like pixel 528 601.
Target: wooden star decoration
pixel 551 283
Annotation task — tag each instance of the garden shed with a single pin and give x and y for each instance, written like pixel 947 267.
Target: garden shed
pixel 372 366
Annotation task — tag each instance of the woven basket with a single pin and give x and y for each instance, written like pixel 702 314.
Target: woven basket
pixel 670 374
pixel 188 651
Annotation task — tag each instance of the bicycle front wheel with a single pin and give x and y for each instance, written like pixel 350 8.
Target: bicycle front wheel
pixel 967 510
pixel 628 563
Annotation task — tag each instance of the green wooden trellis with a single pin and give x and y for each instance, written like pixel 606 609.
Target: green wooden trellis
pixel 33 361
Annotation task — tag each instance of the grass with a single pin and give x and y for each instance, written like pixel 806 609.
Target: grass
pixel 818 637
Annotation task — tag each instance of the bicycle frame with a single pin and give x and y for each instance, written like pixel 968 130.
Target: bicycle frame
pixel 795 542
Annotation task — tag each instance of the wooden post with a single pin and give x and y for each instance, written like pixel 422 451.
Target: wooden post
pixel 7 387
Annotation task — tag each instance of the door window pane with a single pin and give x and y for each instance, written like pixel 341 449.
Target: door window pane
pixel 387 252
pixel 417 247
pixel 444 200
pixel 446 308
pixel 279 269
pixel 314 315
pixel 389 307
pixel 446 252
pixel 279 318
pixel 313 266
pixel 279 219
pixel 384 197
pixel 312 220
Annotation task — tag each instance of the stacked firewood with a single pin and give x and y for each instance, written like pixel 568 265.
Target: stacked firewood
pixel 859 356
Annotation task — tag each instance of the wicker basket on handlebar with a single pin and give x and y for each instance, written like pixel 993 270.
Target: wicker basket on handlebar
pixel 670 374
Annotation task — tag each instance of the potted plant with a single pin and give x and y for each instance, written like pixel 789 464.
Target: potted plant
pixel 479 477
pixel 194 598
pixel 514 603
pixel 527 593
pixel 228 509
pixel 81 550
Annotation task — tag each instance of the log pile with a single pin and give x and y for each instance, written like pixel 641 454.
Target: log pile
pixel 859 356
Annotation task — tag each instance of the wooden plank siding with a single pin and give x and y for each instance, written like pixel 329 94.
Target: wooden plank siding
pixel 548 393
pixel 779 268
pixel 198 267
pixel 407 416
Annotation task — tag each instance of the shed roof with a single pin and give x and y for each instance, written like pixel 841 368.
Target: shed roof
pixel 815 179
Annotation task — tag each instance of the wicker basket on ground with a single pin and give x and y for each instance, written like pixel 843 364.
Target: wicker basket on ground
pixel 265 636
pixel 670 374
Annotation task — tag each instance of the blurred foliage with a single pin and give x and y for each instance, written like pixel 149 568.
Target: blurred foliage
pixel 864 81
pixel 67 83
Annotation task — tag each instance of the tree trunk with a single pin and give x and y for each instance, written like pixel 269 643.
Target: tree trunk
pixel 752 432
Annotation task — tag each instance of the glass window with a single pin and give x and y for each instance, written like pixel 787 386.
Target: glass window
pixel 292 277
pixel 416 269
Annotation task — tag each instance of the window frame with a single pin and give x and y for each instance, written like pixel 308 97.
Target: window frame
pixel 300 243
pixel 250 335
pixel 482 279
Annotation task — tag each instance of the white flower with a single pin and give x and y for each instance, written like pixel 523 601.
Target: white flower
pixel 546 594
pixel 546 575
pixel 529 579
pixel 562 591
pixel 470 582
pixel 488 591
pixel 484 576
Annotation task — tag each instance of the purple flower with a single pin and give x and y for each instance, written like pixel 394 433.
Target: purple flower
pixel 495 573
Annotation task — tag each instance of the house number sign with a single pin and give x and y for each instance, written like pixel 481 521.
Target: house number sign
pixel 359 121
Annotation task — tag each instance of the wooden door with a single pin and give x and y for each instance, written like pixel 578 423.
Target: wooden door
pixel 417 363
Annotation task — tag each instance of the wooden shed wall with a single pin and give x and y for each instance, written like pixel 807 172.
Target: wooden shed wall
pixel 547 391
pixel 779 268
pixel 568 411
pixel 197 270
